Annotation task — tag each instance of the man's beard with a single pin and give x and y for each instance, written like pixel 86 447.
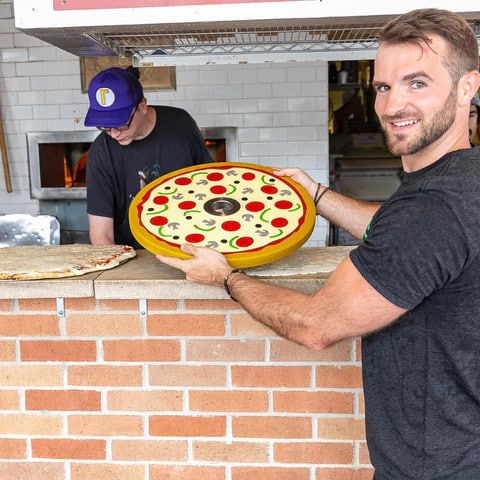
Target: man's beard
pixel 429 132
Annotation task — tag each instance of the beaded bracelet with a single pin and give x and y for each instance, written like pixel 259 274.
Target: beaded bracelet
pixel 225 282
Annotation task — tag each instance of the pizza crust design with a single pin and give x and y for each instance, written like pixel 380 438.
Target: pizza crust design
pixel 233 208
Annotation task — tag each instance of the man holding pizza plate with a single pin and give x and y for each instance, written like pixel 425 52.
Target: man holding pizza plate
pixel 410 289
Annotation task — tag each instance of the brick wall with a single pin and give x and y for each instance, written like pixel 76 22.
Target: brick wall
pixel 194 390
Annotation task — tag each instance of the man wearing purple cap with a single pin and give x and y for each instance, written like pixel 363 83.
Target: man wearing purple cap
pixel 138 144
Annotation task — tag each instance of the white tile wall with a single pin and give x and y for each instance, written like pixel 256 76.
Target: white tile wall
pixel 280 110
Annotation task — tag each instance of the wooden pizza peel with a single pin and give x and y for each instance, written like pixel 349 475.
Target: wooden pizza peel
pixel 3 151
pixel 237 257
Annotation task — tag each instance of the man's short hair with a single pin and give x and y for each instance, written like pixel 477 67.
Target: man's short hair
pixel 417 27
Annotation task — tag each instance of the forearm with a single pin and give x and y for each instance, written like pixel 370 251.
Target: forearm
pixel 100 239
pixel 346 305
pixel 348 213
pixel 100 230
pixel 288 312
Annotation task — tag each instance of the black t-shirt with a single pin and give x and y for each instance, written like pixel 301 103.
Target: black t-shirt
pixel 422 374
pixel 116 173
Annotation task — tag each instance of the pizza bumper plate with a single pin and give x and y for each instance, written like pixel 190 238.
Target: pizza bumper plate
pixel 242 210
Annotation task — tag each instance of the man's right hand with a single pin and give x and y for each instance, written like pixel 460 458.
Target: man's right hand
pixel 299 176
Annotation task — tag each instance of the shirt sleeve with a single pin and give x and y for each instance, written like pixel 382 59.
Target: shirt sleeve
pixel 413 246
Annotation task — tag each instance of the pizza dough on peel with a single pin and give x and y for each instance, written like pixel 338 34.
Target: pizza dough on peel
pixel 242 210
pixel 34 262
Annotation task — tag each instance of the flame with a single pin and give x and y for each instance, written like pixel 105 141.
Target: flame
pixel 66 174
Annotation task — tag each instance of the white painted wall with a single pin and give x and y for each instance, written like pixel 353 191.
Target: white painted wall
pixel 280 110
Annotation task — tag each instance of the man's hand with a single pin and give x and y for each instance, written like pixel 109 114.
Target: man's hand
pixel 300 177
pixel 205 266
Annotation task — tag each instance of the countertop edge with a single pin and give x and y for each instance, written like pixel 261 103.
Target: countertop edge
pixel 144 277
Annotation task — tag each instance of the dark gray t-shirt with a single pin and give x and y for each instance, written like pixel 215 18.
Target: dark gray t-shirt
pixel 422 374
pixel 116 173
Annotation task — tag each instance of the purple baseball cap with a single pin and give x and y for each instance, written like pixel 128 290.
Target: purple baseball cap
pixel 113 93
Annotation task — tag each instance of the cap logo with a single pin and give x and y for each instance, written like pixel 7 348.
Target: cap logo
pixel 105 97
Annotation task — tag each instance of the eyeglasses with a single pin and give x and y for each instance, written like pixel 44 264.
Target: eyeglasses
pixel 123 127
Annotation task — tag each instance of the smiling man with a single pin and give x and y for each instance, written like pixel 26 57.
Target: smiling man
pixel 138 144
pixel 411 288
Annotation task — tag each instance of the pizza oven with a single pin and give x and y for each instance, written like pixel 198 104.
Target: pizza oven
pixel 57 162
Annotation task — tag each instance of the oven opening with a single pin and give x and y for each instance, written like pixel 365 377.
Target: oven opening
pixel 217 149
pixel 62 165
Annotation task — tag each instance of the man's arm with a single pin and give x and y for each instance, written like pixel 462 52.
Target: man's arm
pixel 348 213
pixel 346 306
pixel 100 230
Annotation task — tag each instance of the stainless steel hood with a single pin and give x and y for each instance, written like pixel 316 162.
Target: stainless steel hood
pixel 182 32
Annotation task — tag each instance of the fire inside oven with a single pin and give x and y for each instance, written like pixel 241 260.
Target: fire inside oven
pixel 63 164
pixel 217 149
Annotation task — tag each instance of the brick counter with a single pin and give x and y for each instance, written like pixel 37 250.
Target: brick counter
pixel 118 379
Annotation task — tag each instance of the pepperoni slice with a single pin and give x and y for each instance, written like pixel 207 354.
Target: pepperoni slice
pixel 231 226
pixel 187 205
pixel 159 221
pixel 255 206
pixel 269 189
pixel 194 238
pixel 248 176
pixel 284 204
pixel 215 176
pixel 183 181
pixel 218 190
pixel 244 242
pixel 160 200
pixel 279 222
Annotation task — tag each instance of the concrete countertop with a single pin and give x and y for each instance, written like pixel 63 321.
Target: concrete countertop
pixel 72 287
pixel 144 277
